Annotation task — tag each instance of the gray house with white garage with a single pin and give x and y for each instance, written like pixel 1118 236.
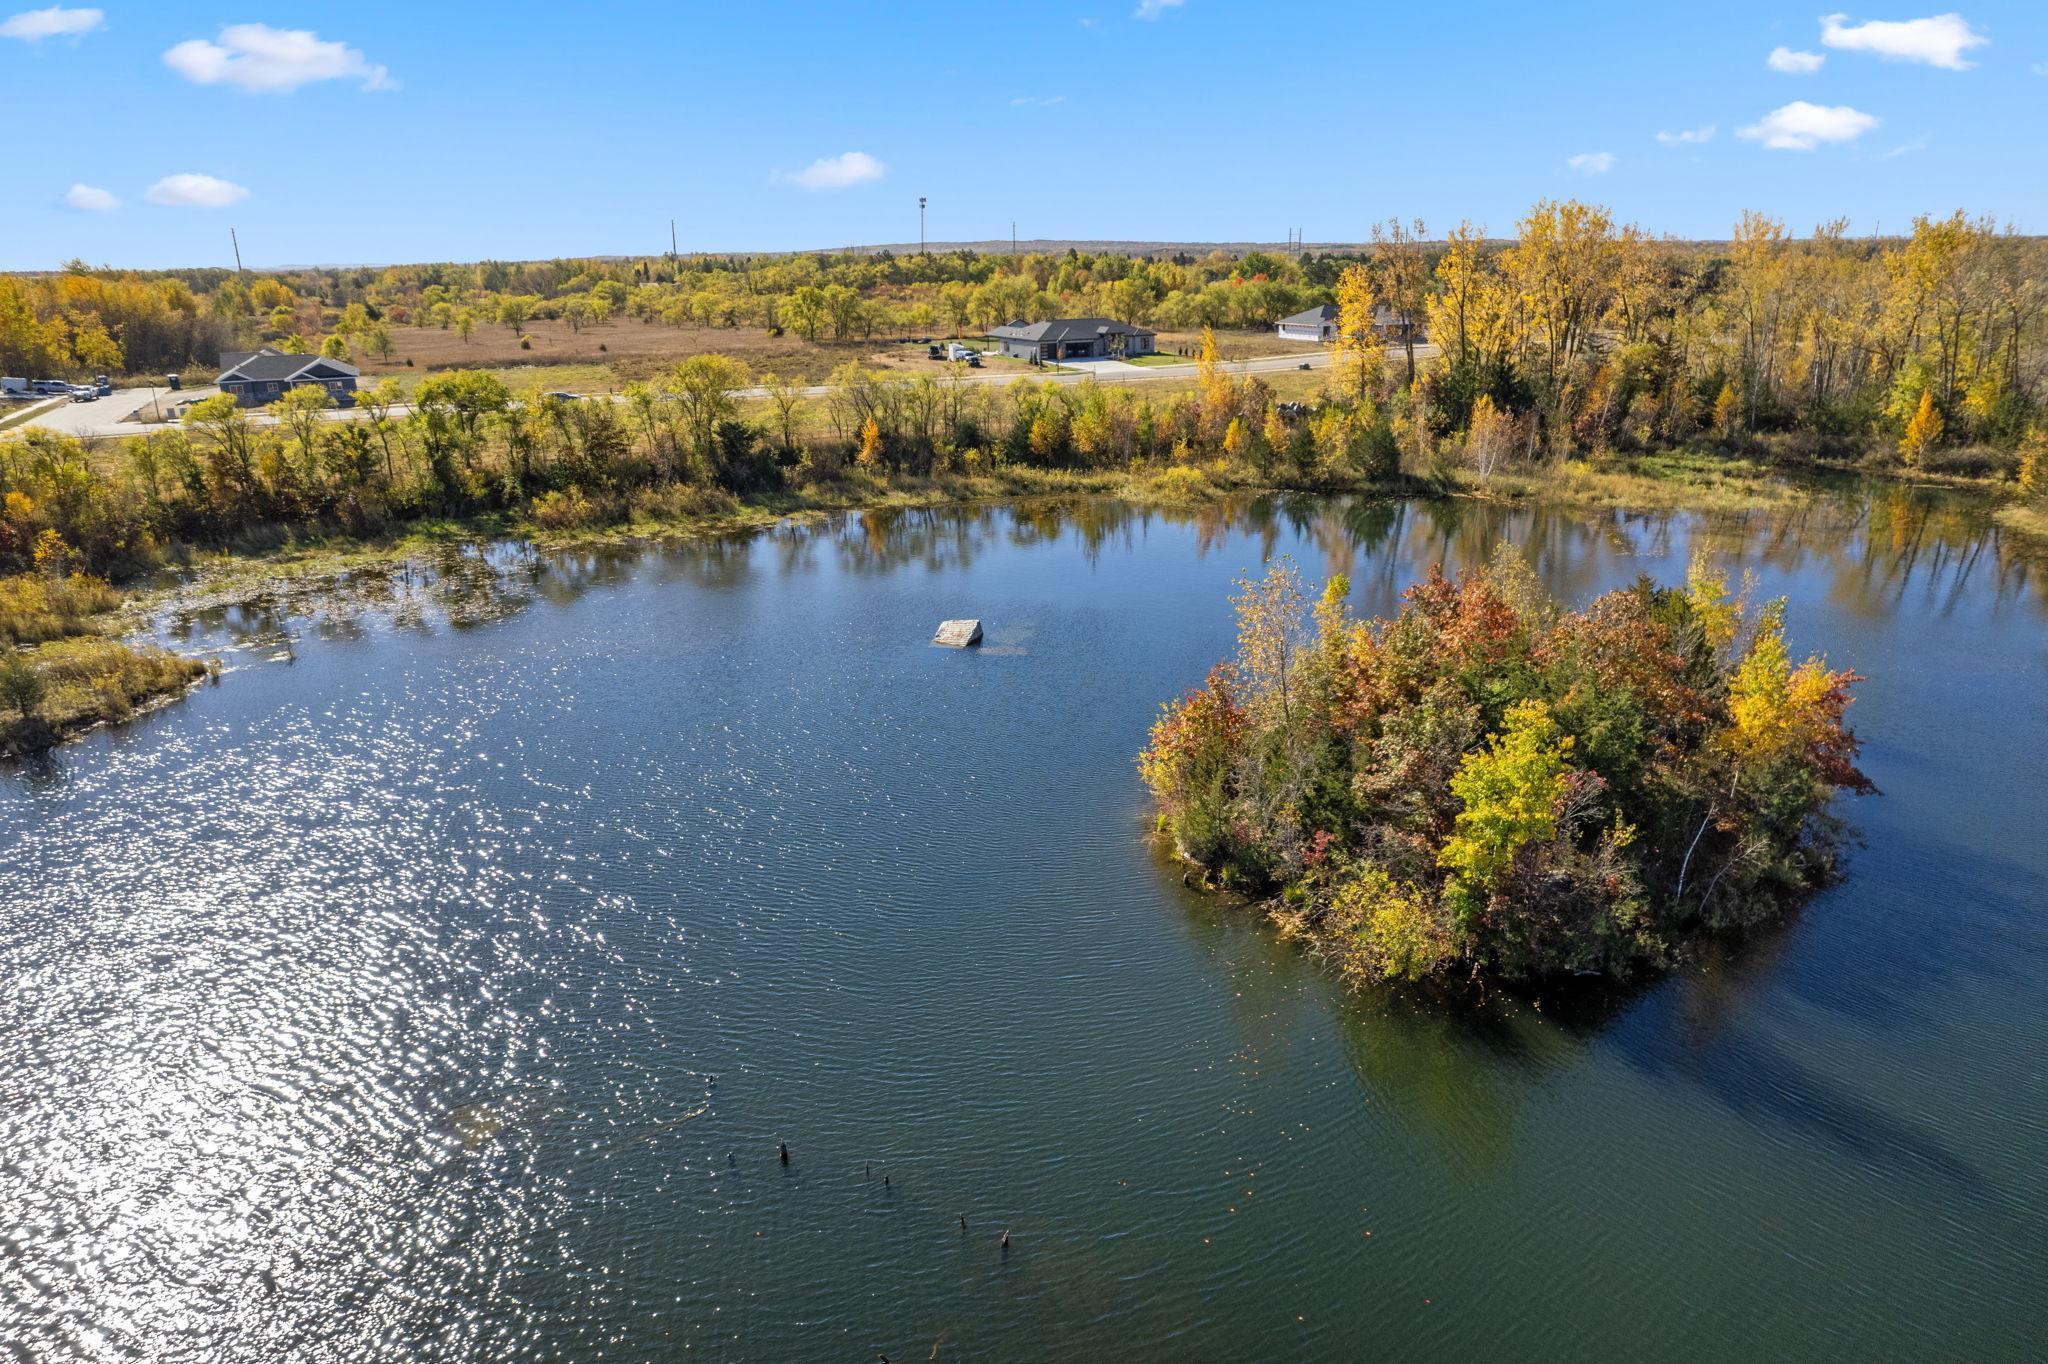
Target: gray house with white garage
pixel 260 377
pixel 1320 324
pixel 1071 338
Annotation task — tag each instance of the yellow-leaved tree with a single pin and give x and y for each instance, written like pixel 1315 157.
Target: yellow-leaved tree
pixel 1923 432
pixel 1218 393
pixel 1236 441
pixel 1275 430
pixel 1510 792
pixel 1356 352
pixel 1727 410
pixel 1706 590
pixel 1777 709
pixel 870 452
pixel 2034 463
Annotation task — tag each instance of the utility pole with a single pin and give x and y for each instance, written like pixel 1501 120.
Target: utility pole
pixel 920 225
pixel 672 238
pixel 238 250
pixel 1013 237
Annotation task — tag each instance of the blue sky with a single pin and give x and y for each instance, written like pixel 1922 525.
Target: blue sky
pixel 375 132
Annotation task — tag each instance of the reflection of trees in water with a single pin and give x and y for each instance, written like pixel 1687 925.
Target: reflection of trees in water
pixel 457 588
pixel 1869 548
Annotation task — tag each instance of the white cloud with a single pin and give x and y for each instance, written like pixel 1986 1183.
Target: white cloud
pixel 1794 63
pixel 1031 101
pixel 1918 144
pixel 1152 9
pixel 2041 68
pixel 1800 127
pixel 1939 41
pixel 1090 23
pixel 91 199
pixel 1591 163
pixel 272 60
pixel 32 26
pixel 1687 136
pixel 836 172
pixel 194 191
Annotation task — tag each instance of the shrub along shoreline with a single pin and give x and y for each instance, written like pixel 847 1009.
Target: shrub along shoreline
pixel 694 454
pixel 60 675
pixel 1492 786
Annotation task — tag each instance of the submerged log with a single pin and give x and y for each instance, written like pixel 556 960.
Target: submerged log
pixel 958 634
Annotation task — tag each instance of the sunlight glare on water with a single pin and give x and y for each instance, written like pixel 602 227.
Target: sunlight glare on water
pixel 442 982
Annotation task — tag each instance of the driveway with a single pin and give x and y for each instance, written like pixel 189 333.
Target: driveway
pixel 1104 368
pixel 106 416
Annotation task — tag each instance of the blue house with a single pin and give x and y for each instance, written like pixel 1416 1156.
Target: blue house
pixel 260 377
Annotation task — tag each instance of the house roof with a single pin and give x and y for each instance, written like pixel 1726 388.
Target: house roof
pixel 1066 329
pixel 1313 317
pixel 271 365
pixel 1382 316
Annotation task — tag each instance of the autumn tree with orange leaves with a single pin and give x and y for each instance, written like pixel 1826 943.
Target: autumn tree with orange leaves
pixel 1490 783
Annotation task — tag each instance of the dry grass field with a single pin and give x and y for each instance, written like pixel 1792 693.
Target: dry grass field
pixel 605 358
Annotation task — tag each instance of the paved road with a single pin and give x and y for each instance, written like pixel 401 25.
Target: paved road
pixel 106 416
pixel 110 416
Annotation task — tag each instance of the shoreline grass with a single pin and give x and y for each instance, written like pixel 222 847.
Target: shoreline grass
pixel 97 679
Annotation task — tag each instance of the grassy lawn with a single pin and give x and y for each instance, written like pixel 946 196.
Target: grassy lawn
pixel 1151 360
pixel 26 412
pixel 584 378
pixel 1234 345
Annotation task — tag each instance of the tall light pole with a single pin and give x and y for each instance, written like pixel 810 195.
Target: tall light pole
pixel 920 225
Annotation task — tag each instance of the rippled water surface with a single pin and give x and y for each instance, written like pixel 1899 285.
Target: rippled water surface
pixel 440 984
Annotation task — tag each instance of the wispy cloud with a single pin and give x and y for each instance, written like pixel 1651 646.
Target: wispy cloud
pixel 194 191
pixel 1918 144
pixel 32 26
pixel 1938 41
pixel 272 60
pixel 1687 136
pixel 1800 127
pixel 835 172
pixel 1037 101
pixel 1152 9
pixel 1793 62
pixel 91 199
pixel 1591 163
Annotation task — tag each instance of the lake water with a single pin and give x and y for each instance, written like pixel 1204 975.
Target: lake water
pixel 441 982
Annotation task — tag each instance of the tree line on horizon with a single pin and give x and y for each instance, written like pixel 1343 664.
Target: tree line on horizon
pixel 1581 336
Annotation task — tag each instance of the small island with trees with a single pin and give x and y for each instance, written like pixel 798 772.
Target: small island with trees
pixel 1489 783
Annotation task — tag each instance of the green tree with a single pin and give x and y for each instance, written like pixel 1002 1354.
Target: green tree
pixel 300 411
pixel 706 389
pixel 21 686
pixel 1509 793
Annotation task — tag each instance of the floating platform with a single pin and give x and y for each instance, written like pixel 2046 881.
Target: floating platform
pixel 958 634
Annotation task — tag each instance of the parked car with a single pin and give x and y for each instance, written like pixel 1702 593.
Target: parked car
pixel 935 352
pixel 84 393
pixel 974 360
